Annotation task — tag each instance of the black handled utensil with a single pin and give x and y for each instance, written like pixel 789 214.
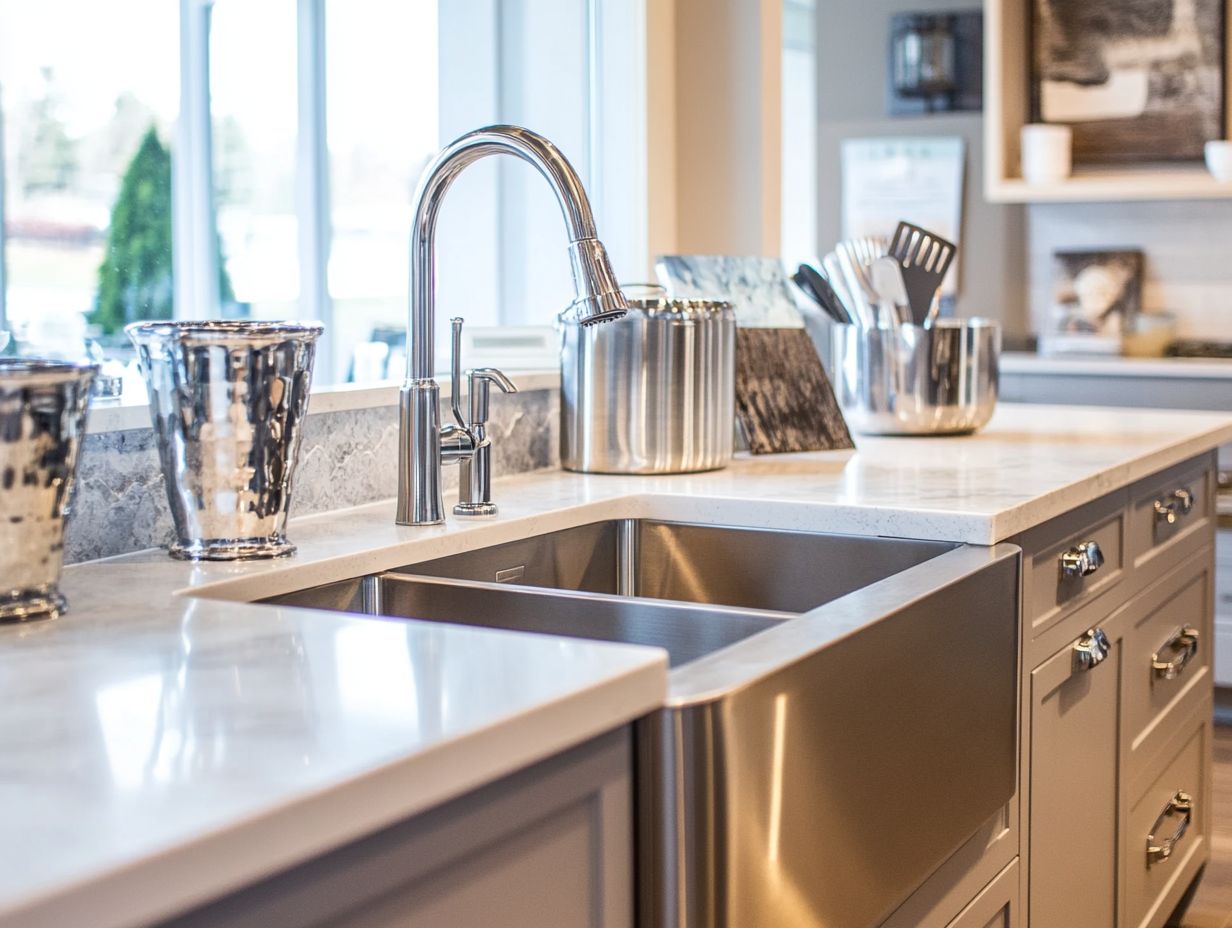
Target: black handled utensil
pixel 925 258
pixel 811 281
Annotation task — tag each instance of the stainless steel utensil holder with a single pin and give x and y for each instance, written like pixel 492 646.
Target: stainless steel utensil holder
pixel 917 380
pixel 42 421
pixel 227 401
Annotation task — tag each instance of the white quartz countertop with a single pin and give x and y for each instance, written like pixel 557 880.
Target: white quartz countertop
pixel 165 743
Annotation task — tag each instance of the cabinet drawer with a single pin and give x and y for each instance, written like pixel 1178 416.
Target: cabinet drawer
pixel 996 906
pixel 1167 658
pixel 1073 789
pixel 1077 558
pixel 1169 508
pixel 1165 835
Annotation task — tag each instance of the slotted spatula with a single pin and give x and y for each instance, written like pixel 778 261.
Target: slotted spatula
pixel 924 258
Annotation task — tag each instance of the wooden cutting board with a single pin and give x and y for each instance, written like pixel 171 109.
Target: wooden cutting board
pixel 784 400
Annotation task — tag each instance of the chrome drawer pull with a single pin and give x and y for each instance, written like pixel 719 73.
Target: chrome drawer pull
pixel 1181 804
pixel 1182 646
pixel 1082 560
pixel 1178 503
pixel 1091 649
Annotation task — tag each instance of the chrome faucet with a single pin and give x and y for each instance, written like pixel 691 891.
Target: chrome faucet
pixel 423 443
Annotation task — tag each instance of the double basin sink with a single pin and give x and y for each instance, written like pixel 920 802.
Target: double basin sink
pixel 841 711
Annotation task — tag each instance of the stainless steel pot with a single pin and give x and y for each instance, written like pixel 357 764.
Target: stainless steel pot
pixel 917 380
pixel 652 393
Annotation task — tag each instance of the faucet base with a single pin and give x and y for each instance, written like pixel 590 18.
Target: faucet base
pixel 474 509
pixel 419 454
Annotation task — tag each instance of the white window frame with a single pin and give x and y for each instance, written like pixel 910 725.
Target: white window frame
pixel 4 288
pixel 195 239
pixel 475 90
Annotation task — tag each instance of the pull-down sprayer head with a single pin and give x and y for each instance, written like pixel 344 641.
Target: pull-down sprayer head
pixel 599 297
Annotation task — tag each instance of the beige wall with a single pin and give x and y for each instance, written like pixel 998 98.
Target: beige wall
pixel 714 126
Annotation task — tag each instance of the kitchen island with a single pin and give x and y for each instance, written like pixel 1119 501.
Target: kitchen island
pixel 167 744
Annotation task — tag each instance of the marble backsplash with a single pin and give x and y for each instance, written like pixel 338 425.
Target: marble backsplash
pixel 347 458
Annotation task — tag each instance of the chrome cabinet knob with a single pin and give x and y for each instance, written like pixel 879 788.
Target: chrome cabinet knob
pixel 1091 650
pixel 1179 502
pixel 1082 560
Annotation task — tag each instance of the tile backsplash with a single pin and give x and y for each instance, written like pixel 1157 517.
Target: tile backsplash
pixel 347 458
pixel 1185 245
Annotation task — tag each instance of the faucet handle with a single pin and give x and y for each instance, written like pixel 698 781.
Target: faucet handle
pixel 480 388
pixel 455 372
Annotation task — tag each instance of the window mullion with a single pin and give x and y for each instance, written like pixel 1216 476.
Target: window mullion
pixel 3 220
pixel 312 178
pixel 195 242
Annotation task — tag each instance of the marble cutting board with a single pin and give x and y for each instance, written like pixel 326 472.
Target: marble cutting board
pixel 784 400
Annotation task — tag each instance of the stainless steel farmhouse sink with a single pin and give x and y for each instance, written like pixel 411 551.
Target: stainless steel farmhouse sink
pixel 842 709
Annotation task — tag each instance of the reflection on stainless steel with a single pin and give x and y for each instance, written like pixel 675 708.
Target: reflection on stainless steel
pixel 598 299
pixel 42 418
pixel 652 393
pixel 912 380
pixel 708 564
pixel 685 631
pixel 840 717
pixel 228 400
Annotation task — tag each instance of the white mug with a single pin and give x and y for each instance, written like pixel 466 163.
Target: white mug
pixel 1046 152
pixel 1219 160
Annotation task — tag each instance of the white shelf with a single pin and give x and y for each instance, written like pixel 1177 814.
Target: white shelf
pixel 1112 185
pixel 1006 92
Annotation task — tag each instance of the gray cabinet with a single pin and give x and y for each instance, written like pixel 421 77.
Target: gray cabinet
pixel 1073 783
pixel 1105 746
pixel 996 906
pixel 550 845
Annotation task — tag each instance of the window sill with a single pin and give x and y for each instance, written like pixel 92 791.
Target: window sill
pixel 119 415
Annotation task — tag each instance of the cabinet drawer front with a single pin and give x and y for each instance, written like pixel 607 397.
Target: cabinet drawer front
pixel 1165 834
pixel 1073 804
pixel 1167 661
pixel 996 906
pixel 1169 508
pixel 1079 557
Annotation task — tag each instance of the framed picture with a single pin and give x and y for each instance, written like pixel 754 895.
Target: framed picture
pixel 1095 292
pixel 1138 80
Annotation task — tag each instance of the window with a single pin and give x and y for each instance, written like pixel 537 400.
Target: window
pixel 258 159
pixel 799 160
pixel 382 117
pixel 87 114
pixel 252 147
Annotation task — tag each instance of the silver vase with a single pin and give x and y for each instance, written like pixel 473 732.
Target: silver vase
pixel 228 400
pixel 42 420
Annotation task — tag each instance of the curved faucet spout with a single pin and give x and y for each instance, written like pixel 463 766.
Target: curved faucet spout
pixel 598 297
pixel 598 294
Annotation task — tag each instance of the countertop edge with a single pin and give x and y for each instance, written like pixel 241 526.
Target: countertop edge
pixel 177 879
pixel 1007 524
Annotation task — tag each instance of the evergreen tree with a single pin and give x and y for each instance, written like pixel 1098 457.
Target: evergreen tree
pixel 135 279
